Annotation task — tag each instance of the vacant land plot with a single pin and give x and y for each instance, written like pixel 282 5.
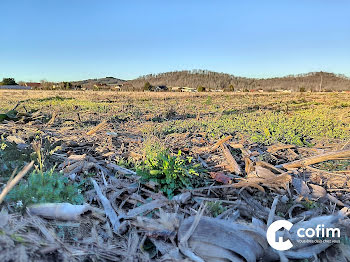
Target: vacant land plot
pixel 123 156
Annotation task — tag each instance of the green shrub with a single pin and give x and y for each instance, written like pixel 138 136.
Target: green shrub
pixel 147 87
pixel 47 187
pixel 201 89
pixel 170 172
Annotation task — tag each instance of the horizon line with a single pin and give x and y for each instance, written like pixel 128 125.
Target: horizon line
pixel 184 70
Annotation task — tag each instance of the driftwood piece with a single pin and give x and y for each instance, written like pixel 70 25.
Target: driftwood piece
pixel 274 148
pixel 276 182
pixel 121 170
pixel 107 207
pixel 234 167
pixel 52 120
pixel 235 238
pixel 97 128
pixel 145 208
pixel 219 143
pixel 165 226
pixel 317 159
pixel 269 166
pixel 188 232
pixel 60 211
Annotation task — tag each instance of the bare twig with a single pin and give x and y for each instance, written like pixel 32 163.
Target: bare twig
pixel 272 211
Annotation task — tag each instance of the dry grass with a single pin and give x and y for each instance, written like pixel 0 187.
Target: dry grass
pixel 132 220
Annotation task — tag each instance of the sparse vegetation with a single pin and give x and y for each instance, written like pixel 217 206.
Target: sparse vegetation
pixel 153 146
pixel 170 172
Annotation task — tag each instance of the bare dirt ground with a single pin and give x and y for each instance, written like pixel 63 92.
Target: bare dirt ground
pixel 172 176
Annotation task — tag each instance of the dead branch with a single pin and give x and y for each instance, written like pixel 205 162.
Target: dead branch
pixel 317 159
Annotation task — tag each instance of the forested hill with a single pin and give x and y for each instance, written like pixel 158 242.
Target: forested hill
pixel 107 81
pixel 214 80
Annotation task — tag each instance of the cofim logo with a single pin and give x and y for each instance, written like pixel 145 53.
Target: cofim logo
pixel 305 235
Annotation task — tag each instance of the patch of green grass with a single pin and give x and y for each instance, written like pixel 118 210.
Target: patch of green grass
pixel 333 165
pixel 46 187
pixel 298 128
pixel 53 98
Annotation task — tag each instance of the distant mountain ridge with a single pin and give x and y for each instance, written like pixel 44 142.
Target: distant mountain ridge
pixel 101 81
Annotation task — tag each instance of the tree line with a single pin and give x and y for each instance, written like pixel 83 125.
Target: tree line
pixel 204 80
pixel 315 81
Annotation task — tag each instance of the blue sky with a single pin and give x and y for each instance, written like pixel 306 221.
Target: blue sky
pixel 78 39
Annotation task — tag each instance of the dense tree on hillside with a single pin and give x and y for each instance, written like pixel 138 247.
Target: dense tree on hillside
pixel 230 88
pixel 147 87
pixel 317 81
pixel 8 82
pixel 214 80
pixel 67 85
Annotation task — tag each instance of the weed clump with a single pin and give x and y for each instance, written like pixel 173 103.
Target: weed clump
pixel 216 208
pixel 45 187
pixel 170 172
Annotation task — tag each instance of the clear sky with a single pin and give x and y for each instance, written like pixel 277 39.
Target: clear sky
pixel 68 40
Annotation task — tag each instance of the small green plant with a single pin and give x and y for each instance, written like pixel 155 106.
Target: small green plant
pixel 309 204
pixel 216 208
pixel 129 163
pixel 170 172
pixel 3 145
pixel 46 187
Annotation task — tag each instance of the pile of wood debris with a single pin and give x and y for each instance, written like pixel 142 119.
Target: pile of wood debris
pixel 126 220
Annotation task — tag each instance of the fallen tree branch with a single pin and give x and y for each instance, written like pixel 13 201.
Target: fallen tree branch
pixel 107 207
pixel 317 159
pixel 232 162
